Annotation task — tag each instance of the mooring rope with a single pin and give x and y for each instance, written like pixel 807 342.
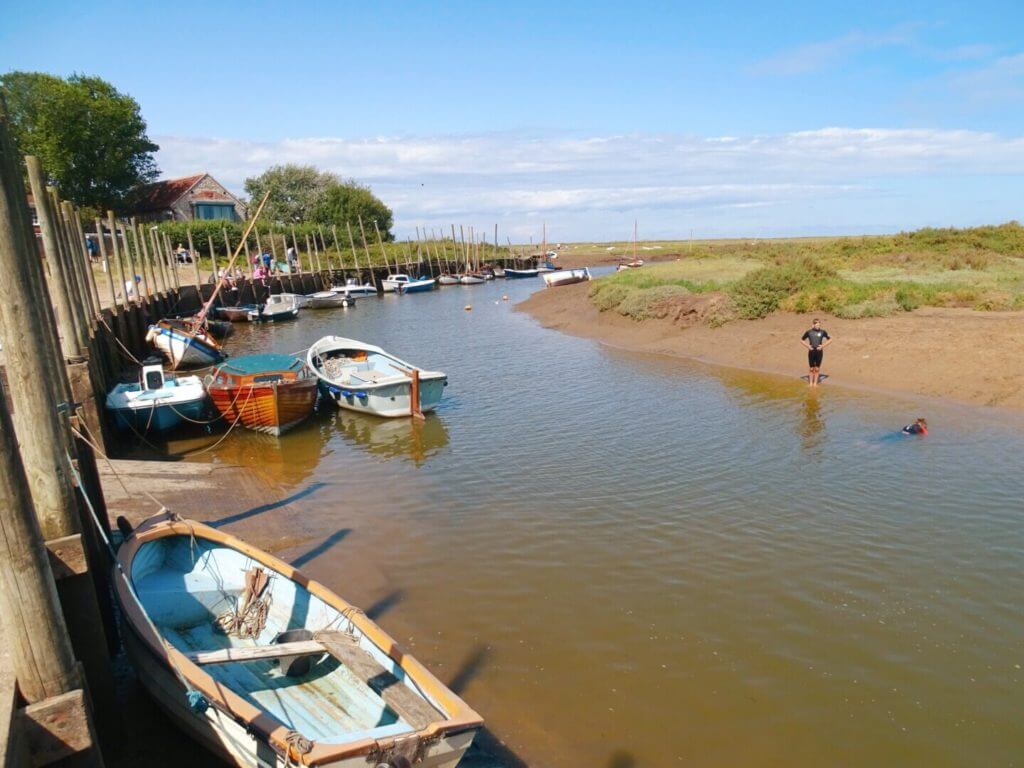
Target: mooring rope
pixel 125 349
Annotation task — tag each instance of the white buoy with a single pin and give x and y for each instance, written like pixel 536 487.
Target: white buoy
pixel 468 307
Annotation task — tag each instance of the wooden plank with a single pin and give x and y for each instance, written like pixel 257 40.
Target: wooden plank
pixel 402 700
pixel 57 728
pixel 67 556
pixel 256 652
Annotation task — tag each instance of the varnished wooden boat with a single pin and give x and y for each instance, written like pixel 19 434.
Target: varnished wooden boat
pixel 268 393
pixel 346 695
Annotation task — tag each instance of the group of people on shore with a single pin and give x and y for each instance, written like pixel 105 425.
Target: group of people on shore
pixel 815 339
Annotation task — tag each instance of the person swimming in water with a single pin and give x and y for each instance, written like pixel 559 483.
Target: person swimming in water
pixel 919 427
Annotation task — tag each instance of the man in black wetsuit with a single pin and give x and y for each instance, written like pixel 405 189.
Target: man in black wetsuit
pixel 815 339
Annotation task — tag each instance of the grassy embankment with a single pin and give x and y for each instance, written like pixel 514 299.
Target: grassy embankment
pixel 852 277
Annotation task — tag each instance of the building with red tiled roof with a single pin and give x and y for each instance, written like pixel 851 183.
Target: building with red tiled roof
pixel 193 198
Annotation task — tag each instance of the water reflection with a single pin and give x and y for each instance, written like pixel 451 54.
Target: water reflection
pixel 410 439
pixel 811 428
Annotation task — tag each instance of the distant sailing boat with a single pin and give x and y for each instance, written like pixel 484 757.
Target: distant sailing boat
pixel 636 263
pixel 188 342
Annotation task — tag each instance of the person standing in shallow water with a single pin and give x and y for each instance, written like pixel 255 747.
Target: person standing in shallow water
pixel 815 339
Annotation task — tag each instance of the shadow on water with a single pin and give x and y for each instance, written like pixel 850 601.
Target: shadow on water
pixel 309 490
pixel 385 604
pixel 621 759
pixel 322 547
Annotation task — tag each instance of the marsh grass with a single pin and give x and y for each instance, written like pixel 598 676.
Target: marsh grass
pixel 979 268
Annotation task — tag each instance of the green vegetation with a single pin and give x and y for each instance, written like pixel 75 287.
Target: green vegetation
pixel 90 138
pixel 980 268
pixel 301 193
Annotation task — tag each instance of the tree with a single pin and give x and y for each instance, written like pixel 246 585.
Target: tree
pixel 90 138
pixel 295 192
pixel 303 194
pixel 347 202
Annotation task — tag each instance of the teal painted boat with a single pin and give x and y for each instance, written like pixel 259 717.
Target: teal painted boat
pixel 265 666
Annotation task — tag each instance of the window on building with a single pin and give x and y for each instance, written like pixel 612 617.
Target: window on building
pixel 215 211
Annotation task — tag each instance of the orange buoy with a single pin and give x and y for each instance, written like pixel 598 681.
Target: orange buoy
pixel 468 307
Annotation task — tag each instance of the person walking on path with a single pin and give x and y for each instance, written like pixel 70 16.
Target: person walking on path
pixel 815 339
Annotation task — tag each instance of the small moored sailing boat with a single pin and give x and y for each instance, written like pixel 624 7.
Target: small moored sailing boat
pixel 157 402
pixel 361 377
pixel 265 667
pixel 268 393
pixel 184 343
pixel 353 287
pixel 419 285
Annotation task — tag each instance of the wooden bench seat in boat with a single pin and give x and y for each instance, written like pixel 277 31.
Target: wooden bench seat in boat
pixel 405 703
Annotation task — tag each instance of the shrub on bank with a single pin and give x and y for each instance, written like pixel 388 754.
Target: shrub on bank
pixel 760 293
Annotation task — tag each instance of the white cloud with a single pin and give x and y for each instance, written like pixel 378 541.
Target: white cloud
pixel 997 82
pixel 818 55
pixel 592 181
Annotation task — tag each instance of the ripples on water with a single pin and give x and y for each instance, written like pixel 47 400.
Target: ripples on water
pixel 624 560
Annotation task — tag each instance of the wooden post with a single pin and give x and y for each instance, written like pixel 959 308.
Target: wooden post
pixel 70 338
pixel 314 257
pixel 380 242
pixel 74 255
pixel 213 259
pixel 415 410
pixel 248 256
pixel 131 264
pixel 295 245
pixel 34 628
pixel 495 244
pixel 355 257
pixel 195 265
pixel 327 255
pixel 337 247
pixel 79 299
pixel 142 254
pixel 227 243
pixel 273 246
pixel 112 225
pixel 89 274
pixel 108 267
pixel 172 261
pixel 366 247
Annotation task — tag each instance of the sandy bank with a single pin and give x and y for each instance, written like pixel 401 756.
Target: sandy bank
pixel 962 355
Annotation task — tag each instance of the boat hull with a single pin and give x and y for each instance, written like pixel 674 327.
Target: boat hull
pixel 276 316
pixel 237 726
pixel 448 280
pixel 162 418
pixel 566 277
pixel 271 408
pixel 183 349
pixel 327 300
pixel 391 401
pixel 471 280
pixel 520 274
pixel 417 286
pixel 239 314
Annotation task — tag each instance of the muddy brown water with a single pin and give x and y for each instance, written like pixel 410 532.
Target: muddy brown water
pixel 625 561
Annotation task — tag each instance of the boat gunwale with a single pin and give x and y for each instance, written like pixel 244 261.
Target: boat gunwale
pixel 460 716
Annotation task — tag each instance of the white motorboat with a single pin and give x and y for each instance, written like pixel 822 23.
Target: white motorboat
pixel 353 287
pixel 448 280
pixel 566 277
pixel 329 300
pixel 299 299
pixel 471 279
pixel 362 377
pixel 393 280
pixel 279 308
pixel 156 402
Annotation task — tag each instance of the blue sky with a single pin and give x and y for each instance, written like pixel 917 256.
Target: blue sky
pixel 749 119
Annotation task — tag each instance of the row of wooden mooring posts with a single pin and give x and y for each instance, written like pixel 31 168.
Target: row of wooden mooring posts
pixel 56 613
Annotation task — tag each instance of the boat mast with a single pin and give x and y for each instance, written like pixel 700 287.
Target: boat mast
pixel 201 317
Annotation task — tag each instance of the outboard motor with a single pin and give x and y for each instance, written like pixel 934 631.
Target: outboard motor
pixel 152 374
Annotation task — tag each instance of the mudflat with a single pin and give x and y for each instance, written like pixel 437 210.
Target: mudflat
pixel 964 355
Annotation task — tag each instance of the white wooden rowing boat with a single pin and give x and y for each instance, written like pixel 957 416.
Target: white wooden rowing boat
pixel 265 667
pixel 362 377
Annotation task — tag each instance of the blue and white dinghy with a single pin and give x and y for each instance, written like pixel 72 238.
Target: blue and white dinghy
pixel 157 402
pixel 361 377
pixel 266 667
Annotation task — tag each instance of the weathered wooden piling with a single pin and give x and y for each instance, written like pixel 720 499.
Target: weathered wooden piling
pixel 36 490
